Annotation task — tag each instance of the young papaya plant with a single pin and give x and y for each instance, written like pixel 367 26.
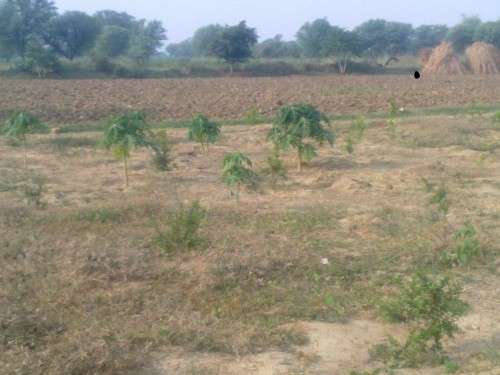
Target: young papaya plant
pixel 296 123
pixel 204 131
pixel 237 171
pixel 19 125
pixel 125 133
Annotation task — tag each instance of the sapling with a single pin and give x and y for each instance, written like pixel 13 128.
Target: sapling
pixel 236 172
pixel 355 135
pixel 124 134
pixel 19 125
pixel 204 131
pixel 294 124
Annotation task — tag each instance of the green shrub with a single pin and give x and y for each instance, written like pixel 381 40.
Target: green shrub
pixel 252 117
pixel 204 131
pixel 275 168
pixel 467 247
pixel 19 125
pixel 496 118
pixel 440 198
pixel 294 124
pixel 182 229
pixel 431 307
pixel 236 172
pixel 355 135
pixel 161 148
pixel 125 133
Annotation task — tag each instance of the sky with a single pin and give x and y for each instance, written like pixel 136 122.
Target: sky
pixel 270 17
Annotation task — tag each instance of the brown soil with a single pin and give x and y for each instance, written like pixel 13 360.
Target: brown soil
pixel 483 58
pixel 444 61
pixel 63 101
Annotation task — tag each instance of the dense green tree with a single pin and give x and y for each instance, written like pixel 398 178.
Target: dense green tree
pixel 314 38
pixel 205 39
pixel 462 35
pixel 489 32
pixel 113 41
pixel 428 36
pixel 398 37
pixel 40 59
pixel 181 50
pixel 277 48
pixel 235 43
pixel 22 20
pixel 146 39
pixel 113 18
pixel 373 37
pixel 73 33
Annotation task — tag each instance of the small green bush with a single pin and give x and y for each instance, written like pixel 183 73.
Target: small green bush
pixel 161 148
pixel 182 229
pixel 496 118
pixel 440 198
pixel 33 191
pixel 253 117
pixel 431 307
pixel 204 131
pixel 236 172
pixel 467 247
pixel 275 168
pixel 355 135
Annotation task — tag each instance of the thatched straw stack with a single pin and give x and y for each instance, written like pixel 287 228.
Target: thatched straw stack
pixel 444 61
pixel 483 58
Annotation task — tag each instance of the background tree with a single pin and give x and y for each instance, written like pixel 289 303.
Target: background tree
pixel 235 44
pixel 277 48
pixel 40 58
pixel 205 39
pixel 294 124
pixel 462 35
pixel 73 33
pixel 113 41
pixel 398 38
pixel 124 134
pixel 181 50
pixel 373 37
pixel 25 19
pixel 146 39
pixel 19 125
pixel 488 32
pixel 315 38
pixel 236 172
pixel 113 18
pixel 428 36
pixel 203 131
pixel 344 44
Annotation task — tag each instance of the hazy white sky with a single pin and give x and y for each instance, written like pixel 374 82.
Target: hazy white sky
pixel 270 17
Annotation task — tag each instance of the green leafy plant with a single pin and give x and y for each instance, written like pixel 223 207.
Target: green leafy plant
pixel 294 124
pixel 161 148
pixel 496 117
pixel 19 125
pixel 204 131
pixel 275 168
pixel 431 306
pixel 236 172
pixel 252 117
pixel 440 198
pixel 182 229
pixel 392 128
pixel 393 107
pixel 124 134
pixel 355 135
pixel 467 247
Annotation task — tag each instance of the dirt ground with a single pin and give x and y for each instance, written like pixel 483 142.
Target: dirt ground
pixel 73 101
pixel 252 299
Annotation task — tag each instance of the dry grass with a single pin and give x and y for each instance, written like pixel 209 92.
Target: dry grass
pixel 86 290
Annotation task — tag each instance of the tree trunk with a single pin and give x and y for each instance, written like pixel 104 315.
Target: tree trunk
pixel 231 69
pixel 299 161
pixel 125 168
pixel 25 147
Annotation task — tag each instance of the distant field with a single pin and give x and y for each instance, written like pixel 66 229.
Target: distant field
pixel 72 101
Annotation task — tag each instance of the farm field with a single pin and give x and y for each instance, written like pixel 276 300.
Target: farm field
pixel 75 101
pixel 288 280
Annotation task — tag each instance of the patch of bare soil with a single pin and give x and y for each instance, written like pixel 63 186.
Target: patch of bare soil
pixel 63 101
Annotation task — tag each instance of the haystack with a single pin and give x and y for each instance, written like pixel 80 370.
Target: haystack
pixel 444 61
pixel 483 58
pixel 424 55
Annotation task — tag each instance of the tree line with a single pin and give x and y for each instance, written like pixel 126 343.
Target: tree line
pixel 36 37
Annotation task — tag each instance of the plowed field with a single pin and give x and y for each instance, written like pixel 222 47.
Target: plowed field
pixel 230 98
